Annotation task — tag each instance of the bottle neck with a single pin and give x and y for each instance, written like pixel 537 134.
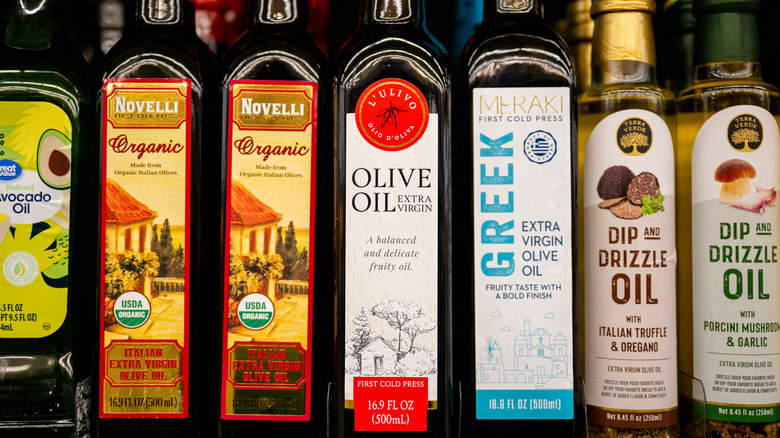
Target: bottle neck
pixel 409 13
pixel 279 13
pixel 623 48
pixel 726 37
pixel 165 14
pixel 511 9
pixel 36 25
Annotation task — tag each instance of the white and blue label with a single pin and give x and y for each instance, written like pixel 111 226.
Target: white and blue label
pixel 523 261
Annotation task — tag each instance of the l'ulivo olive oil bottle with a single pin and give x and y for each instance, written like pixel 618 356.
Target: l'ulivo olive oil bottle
pixel 392 230
pixel 628 198
pixel 516 269
pixel 728 165
pixel 47 220
pixel 155 205
pixel 277 296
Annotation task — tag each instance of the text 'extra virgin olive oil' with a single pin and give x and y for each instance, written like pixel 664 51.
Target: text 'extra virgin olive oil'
pixel 628 243
pixel 277 244
pixel 47 221
pixel 392 230
pixel 729 169
pixel 156 206
pixel 515 275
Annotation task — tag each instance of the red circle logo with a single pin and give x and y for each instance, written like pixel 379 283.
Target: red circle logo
pixel 392 114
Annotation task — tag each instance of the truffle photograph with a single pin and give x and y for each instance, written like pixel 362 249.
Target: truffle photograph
pixel 737 191
pixel 627 195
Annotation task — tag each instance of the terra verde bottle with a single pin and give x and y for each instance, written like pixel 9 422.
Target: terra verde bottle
pixel 278 188
pixel 626 122
pixel 392 226
pixel 729 170
pixel 518 339
pixel 154 130
pixel 47 220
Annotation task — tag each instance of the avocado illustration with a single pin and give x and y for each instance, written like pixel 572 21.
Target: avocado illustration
pixel 54 159
pixel 56 275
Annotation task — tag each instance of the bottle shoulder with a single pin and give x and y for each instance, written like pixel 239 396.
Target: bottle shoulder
pixel 282 56
pixel 713 96
pixel 616 97
pixel 370 55
pixel 523 52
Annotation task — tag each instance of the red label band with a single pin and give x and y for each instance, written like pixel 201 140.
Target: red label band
pixel 391 404
pixel 392 114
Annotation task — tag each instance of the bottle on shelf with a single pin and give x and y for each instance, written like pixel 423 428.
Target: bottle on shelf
pixel 727 164
pixel 277 182
pixel 47 221
pixel 627 209
pixel 677 61
pixel 517 167
pixel 392 226
pixel 159 203
pixel 579 36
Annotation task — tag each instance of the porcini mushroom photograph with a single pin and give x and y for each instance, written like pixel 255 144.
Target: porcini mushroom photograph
pixel 738 190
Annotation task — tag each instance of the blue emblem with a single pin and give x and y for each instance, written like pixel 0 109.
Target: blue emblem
pixel 540 147
pixel 9 170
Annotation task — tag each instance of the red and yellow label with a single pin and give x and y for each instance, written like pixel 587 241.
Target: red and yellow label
pixel 146 239
pixel 268 294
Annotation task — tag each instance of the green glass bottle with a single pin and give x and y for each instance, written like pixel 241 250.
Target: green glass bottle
pixel 159 195
pixel 517 150
pixel 728 222
pixel 47 219
pixel 677 62
pixel 277 187
pixel 627 194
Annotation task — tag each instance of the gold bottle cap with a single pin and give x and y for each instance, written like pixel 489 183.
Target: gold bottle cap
pixel 580 24
pixel 602 6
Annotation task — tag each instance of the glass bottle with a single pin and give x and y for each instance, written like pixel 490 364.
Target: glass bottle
pixel 579 36
pixel 680 25
pixel 519 168
pixel 727 121
pixel 392 226
pixel 158 198
pixel 47 220
pixel 628 242
pixel 276 91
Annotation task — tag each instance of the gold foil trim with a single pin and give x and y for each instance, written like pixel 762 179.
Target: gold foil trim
pixel 602 6
pixel 135 363
pixel 514 6
pixel 626 36
pixel 136 105
pixel 273 107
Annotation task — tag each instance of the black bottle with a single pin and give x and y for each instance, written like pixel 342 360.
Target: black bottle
pixel 516 179
pixel 159 195
pixel 392 230
pixel 277 155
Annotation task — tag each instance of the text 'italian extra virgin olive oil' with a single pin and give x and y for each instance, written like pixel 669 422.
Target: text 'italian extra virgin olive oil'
pixel 153 134
pixel 628 211
pixel 729 168
pixel 392 226
pixel 515 278
pixel 275 99
pixel 46 224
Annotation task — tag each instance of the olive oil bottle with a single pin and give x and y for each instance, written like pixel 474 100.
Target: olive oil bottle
pixel 47 221
pixel 159 195
pixel 579 36
pixel 392 229
pixel 628 242
pixel 727 165
pixel 515 275
pixel 277 294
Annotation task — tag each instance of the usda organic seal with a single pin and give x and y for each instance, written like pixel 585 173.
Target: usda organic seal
pixel 132 309
pixel 255 311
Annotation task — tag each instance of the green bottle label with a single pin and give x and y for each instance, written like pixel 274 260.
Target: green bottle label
pixel 35 153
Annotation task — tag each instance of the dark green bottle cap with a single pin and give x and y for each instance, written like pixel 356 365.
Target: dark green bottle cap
pixel 680 16
pixel 701 7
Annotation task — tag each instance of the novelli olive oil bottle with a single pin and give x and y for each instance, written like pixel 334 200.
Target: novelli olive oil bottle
pixel 47 220
pixel 628 210
pixel 516 272
pixel 728 167
pixel 277 300
pixel 155 134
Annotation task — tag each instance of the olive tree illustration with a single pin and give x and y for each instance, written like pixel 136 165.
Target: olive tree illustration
pixel 421 324
pixel 633 140
pixel 406 318
pixel 744 135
